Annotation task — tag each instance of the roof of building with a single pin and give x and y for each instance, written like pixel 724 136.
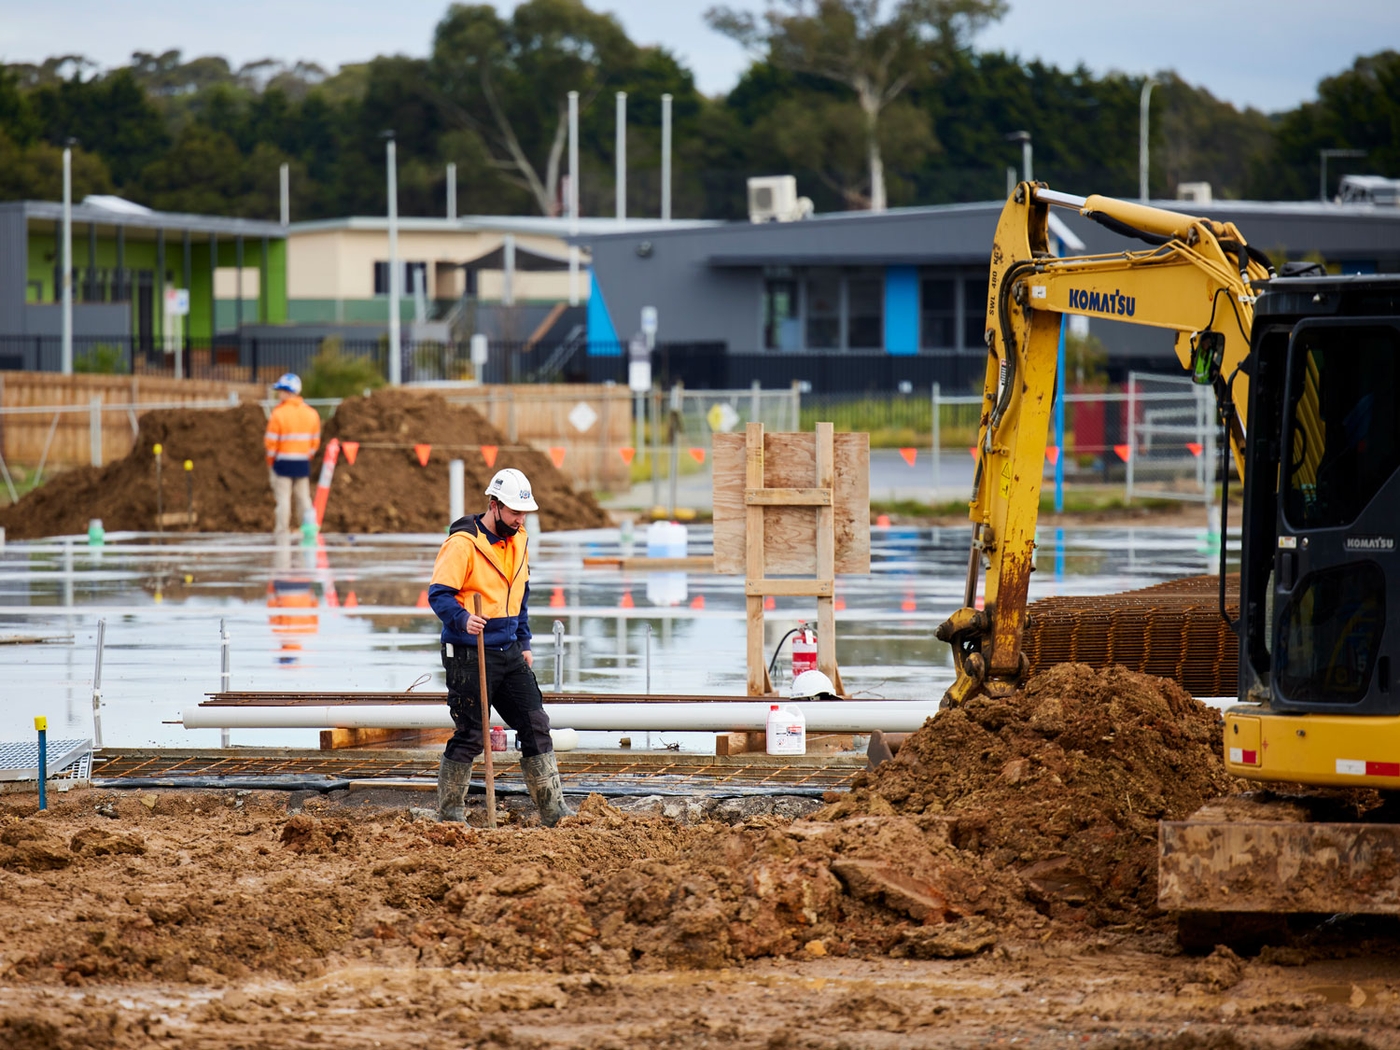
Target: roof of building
pixel 115 211
pixel 543 225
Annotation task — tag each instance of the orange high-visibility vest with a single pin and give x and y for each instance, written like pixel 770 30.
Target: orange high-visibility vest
pixel 293 433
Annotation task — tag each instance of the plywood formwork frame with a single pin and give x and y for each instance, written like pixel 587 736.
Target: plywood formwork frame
pixel 787 528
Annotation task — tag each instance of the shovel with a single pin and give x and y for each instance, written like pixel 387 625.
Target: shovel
pixel 485 720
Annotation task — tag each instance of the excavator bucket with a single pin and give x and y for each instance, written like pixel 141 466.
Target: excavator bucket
pixel 1244 857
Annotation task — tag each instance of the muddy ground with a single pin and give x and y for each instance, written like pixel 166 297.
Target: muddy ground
pixel 994 884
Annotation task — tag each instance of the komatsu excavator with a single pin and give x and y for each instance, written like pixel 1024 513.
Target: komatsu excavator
pixel 1306 373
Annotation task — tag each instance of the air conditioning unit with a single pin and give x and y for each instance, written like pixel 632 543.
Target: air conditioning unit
pixel 1193 191
pixel 773 198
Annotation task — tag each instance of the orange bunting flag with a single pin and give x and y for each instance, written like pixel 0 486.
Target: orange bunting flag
pixel 1123 451
pixel 1196 447
pixel 838 604
pixel 422 452
pixel 973 450
pixel 422 602
pixel 556 456
pixel 1052 453
pixel 770 603
pixel 909 454
pixel 556 600
pixel 628 454
pixel 351 450
pixel 908 605
pixel 488 453
pixel 698 602
pixel 351 602
pixel 626 601
pixel 698 454
pixel 883 521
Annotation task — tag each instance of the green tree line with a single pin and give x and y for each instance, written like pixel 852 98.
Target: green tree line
pixel 861 102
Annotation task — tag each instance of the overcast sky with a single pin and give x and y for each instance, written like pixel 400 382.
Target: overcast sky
pixel 1269 56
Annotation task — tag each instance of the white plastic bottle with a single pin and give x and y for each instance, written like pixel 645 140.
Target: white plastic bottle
pixel 787 730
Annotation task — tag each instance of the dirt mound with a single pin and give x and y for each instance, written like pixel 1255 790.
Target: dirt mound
pixel 231 492
pixel 386 490
pixel 1062 783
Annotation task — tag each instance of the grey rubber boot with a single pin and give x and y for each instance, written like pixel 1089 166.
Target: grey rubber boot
pixel 453 778
pixel 546 791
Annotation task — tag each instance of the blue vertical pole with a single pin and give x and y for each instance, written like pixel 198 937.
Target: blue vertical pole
pixel 1060 418
pixel 42 725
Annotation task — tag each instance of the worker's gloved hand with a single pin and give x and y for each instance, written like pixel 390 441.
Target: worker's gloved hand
pixel 475 624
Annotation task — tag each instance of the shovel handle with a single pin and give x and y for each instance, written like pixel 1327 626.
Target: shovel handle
pixel 485 719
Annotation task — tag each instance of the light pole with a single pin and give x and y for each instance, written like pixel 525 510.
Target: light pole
pixel 621 151
pixel 67 341
pixel 1143 104
pixel 1024 138
pixel 573 198
pixel 665 158
pixel 395 351
pixel 1323 154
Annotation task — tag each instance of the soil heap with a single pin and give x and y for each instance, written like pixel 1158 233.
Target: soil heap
pixel 231 492
pixel 385 490
pixel 1062 783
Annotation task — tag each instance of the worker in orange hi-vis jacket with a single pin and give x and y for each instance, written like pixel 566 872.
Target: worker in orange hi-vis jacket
pixel 292 438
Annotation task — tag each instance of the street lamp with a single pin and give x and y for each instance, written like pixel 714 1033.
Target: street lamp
pixel 1024 138
pixel 66 342
pixel 1144 101
pixel 1323 154
pixel 395 351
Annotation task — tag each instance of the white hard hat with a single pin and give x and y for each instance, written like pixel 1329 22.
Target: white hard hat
pixel 512 488
pixel 290 382
pixel 811 684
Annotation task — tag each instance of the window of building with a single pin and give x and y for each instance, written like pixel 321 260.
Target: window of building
pixel 824 312
pixel 411 271
pixel 782 324
pixel 974 313
pixel 865 311
pixel 938 307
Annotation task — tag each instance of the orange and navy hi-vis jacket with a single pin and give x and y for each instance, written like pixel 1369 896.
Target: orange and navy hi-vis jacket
pixel 470 563
pixel 293 435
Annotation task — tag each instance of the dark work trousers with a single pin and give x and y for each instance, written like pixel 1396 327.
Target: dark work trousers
pixel 512 690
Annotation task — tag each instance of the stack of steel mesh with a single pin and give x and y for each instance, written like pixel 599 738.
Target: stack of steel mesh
pixel 1174 630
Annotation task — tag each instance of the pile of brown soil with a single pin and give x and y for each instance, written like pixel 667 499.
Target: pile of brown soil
pixel 386 490
pixel 1062 783
pixel 231 492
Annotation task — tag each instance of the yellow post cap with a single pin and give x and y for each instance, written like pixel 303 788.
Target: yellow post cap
pixel 41 723
pixel 189 464
pixel 157 450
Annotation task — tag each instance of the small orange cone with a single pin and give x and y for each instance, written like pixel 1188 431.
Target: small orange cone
pixel 332 599
pixel 351 450
pixel 626 601
pixel 698 602
pixel 973 450
pixel 423 601
pixel 909 454
pixel 769 603
pixel 556 456
pixel 556 600
pixel 908 605
pixel 698 454
pixel 351 602
pixel 1052 453
pixel 627 455
pixel 1195 447
pixel 488 453
pixel 1123 451
pixel 838 603
pixel 422 452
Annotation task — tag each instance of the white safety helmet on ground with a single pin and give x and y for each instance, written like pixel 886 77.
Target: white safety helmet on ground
pixel 812 685
pixel 512 488
pixel 290 382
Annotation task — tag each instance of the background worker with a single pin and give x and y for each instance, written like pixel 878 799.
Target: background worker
pixel 292 438
pixel 487 554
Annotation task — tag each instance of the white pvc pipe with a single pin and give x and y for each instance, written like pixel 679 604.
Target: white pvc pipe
pixel 824 716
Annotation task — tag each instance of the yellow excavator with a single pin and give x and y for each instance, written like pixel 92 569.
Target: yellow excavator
pixel 1306 372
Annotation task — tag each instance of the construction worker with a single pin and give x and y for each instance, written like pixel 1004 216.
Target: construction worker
pixel 292 438
pixel 487 554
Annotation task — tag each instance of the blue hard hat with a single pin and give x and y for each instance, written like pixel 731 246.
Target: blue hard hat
pixel 290 382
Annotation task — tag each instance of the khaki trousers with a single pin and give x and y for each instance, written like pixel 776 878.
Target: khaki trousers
pixel 282 491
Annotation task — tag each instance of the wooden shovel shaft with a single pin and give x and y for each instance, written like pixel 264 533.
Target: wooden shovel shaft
pixel 485 719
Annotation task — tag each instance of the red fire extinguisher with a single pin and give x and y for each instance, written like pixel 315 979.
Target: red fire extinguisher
pixel 804 650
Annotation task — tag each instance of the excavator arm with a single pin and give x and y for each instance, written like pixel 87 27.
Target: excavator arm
pixel 1195 278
